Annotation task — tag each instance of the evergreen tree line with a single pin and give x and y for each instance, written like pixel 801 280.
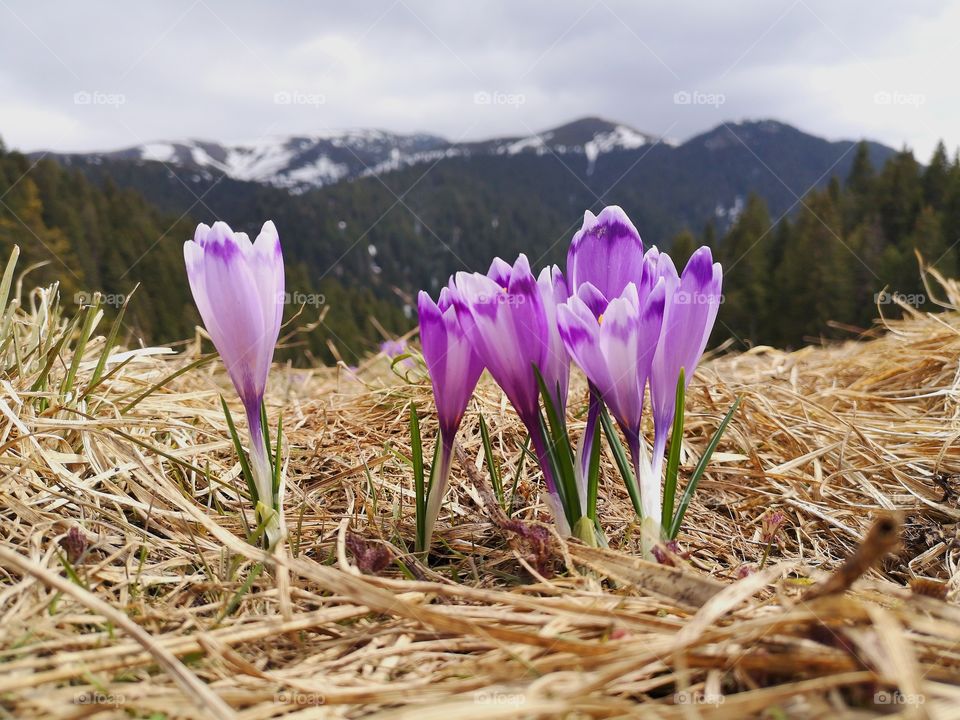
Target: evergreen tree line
pixel 355 255
pixel 839 260
pixel 97 237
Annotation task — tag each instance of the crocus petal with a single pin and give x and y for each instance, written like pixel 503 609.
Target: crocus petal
pixel 500 272
pixel 580 332
pixel 484 310
pixel 691 311
pixel 238 291
pixel 594 299
pixel 454 367
pixel 616 350
pixel 267 262
pixel 556 365
pixel 607 252
pixel 620 346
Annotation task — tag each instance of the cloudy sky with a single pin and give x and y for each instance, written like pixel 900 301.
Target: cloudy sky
pixel 102 75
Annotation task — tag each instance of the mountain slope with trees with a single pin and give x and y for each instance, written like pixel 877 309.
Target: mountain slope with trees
pixel 806 249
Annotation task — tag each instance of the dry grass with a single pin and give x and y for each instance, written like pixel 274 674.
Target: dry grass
pixel 159 608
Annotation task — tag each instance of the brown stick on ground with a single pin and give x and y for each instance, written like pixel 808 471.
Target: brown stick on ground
pixel 537 541
pixel 882 537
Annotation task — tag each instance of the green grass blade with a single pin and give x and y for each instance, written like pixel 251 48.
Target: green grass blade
pixel 91 386
pixel 110 343
pixel 524 451
pixel 91 317
pixel 52 353
pixel 420 492
pixel 434 466
pixel 175 374
pixel 673 459
pixel 234 603
pixel 593 473
pixel 495 478
pixel 561 454
pixel 623 462
pixel 241 455
pixel 698 472
pixel 7 280
pixel 276 465
pixel 265 428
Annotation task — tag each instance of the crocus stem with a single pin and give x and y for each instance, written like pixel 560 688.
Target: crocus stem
pixel 543 456
pixel 649 484
pixel 263 474
pixel 586 444
pixel 440 479
pixel 553 497
pixel 659 448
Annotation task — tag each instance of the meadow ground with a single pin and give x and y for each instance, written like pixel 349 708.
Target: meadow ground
pixel 127 587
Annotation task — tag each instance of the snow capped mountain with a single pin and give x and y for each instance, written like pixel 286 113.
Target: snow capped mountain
pixel 297 163
pixel 300 163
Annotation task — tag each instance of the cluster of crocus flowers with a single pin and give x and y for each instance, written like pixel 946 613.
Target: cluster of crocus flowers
pixel 238 287
pixel 625 316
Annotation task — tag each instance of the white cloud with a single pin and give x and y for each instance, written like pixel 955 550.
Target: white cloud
pixel 212 68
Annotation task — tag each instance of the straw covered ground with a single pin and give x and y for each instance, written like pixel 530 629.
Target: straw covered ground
pixel 127 587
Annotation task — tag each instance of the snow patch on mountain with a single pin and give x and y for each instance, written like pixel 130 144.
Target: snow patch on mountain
pixel 620 138
pixel 323 171
pixel 536 143
pixel 160 152
pixel 300 163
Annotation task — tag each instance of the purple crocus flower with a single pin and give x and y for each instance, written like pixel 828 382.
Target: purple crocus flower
pixel 509 316
pixel 393 348
pixel 238 287
pixel 693 299
pixel 604 256
pixel 615 350
pixel 454 370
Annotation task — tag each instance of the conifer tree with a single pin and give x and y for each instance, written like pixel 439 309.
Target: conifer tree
pixel 682 247
pixel 745 255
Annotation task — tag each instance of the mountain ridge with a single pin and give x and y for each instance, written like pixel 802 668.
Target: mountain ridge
pixel 302 162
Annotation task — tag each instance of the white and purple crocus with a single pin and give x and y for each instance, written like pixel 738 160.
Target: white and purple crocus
pixel 238 287
pixel 454 370
pixel 693 299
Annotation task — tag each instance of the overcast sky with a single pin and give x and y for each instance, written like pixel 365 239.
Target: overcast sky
pixel 102 75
